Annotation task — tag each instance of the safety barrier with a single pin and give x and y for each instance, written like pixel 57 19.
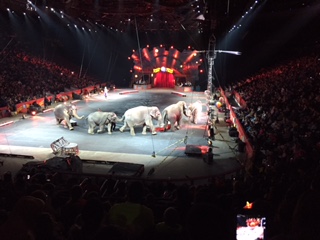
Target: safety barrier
pixel 240 100
pixel 242 133
pixel 63 96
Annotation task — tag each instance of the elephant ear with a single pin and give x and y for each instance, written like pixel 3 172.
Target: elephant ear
pixel 155 113
pixel 70 108
pixel 112 117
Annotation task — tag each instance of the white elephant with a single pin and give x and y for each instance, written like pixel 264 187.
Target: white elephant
pixel 194 110
pixel 101 119
pixel 173 114
pixel 64 112
pixel 141 116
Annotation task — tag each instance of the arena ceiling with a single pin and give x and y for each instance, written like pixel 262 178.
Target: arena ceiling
pixel 156 15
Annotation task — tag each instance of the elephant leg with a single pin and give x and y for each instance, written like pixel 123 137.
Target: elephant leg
pixel 132 131
pixel 153 130
pixel 69 124
pixel 91 129
pixel 195 118
pixel 178 124
pixel 123 127
pixel 172 125
pixel 149 124
pixel 144 129
pixel 101 128
pixel 109 128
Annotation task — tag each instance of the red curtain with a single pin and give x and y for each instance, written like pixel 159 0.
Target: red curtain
pixel 164 80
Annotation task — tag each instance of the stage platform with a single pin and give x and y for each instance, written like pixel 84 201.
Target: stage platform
pixel 167 155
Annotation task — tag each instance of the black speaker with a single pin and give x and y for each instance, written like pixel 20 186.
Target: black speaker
pixel 233 132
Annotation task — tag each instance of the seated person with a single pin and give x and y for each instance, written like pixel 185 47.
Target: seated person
pixel 35 107
pixel 47 102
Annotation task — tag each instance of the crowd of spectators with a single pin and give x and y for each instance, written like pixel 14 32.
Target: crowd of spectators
pixel 66 206
pixel 24 77
pixel 282 112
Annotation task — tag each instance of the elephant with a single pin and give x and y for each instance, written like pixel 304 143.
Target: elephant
pixel 101 119
pixel 141 115
pixel 66 111
pixel 173 114
pixel 195 109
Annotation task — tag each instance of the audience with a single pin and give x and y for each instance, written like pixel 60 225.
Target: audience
pixel 24 77
pixel 282 113
pixel 281 119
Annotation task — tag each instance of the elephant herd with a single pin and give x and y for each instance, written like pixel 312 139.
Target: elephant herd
pixel 137 116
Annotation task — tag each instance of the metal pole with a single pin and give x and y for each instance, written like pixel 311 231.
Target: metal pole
pixel 211 56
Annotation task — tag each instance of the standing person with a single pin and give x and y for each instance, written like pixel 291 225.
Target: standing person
pixel 106 92
pixel 208 156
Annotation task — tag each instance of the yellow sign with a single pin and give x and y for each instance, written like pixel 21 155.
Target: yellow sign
pixel 162 69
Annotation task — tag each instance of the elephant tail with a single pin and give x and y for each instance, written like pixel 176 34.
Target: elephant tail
pixel 121 119
pixel 164 115
pixel 86 122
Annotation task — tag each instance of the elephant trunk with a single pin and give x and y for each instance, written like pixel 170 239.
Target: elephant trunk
pixel 185 112
pixel 160 121
pixel 75 114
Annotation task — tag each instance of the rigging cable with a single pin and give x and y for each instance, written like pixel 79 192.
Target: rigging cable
pixel 140 55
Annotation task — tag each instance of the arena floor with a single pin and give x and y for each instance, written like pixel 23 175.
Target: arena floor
pixel 167 155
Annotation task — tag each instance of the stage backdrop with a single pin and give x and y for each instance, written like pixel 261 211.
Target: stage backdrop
pixel 164 80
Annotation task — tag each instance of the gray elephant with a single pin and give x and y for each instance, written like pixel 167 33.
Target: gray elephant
pixel 141 116
pixel 64 112
pixel 194 110
pixel 101 119
pixel 173 114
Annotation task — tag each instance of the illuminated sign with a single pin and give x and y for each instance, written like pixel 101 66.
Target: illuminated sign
pixel 163 69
